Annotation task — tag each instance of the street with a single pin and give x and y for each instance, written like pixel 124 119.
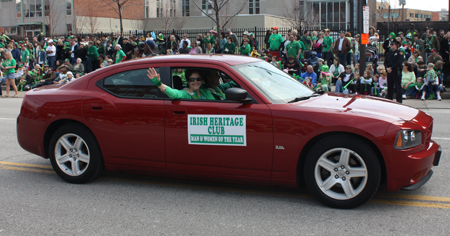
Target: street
pixel 35 201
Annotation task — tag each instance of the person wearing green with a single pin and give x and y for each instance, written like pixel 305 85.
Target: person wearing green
pixel 245 49
pixel 120 55
pixel 194 91
pixel 92 54
pixel 275 40
pixel 9 68
pixel 293 48
pixel 307 41
pixel 408 79
pixel 328 45
pixel 216 88
pixel 25 55
pixel 229 47
pixel 180 73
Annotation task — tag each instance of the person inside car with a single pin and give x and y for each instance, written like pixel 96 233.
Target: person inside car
pixel 216 88
pixel 194 90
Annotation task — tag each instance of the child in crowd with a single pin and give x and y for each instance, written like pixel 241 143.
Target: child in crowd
pixel 365 82
pixel 356 68
pixel 269 58
pixel 375 90
pixel 431 84
pixel 370 68
pixel 419 86
pixel 383 83
pixel 438 67
pixel 421 70
pixel 103 60
pixel 275 62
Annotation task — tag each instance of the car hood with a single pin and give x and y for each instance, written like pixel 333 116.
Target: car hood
pixel 364 105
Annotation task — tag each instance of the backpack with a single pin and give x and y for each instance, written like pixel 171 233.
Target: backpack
pixel 317 45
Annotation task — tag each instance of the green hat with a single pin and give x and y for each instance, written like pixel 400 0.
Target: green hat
pixel 54 40
pixel 325 68
pixel 399 33
pixel 393 35
pixel 408 36
pixel 66 43
pixel 160 37
pixel 70 37
pixel 21 65
pixel 20 41
pixel 67 60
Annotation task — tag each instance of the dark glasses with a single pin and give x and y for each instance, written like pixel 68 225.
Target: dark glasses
pixel 194 79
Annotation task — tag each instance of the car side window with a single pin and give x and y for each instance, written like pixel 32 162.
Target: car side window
pixel 130 84
pixel 214 82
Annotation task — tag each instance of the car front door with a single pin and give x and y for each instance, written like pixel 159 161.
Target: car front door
pixel 127 111
pixel 219 137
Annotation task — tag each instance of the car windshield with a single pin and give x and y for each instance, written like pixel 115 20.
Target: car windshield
pixel 276 85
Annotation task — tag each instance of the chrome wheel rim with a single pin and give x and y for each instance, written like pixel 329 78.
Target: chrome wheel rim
pixel 341 173
pixel 72 154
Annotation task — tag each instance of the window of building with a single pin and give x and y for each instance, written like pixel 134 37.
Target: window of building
pixel 411 15
pixel 69 7
pixel 395 15
pixel 146 9
pixel 185 8
pixel 206 7
pixel 420 16
pixel 69 27
pixel 333 14
pixel 158 8
pixel 253 7
pixel 47 7
pixel 18 8
pixel 427 16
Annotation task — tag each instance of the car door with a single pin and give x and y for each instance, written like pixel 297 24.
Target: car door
pixel 219 137
pixel 127 111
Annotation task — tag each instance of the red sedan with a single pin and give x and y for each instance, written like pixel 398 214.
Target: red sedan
pixel 227 118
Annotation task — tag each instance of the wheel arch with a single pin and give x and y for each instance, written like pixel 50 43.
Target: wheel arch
pixel 308 146
pixel 54 126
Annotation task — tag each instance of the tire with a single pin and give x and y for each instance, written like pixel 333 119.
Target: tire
pixel 342 171
pixel 75 154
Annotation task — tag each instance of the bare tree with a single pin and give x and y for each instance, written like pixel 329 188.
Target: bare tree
pixel 297 16
pixel 92 21
pixel 53 16
pixel 79 20
pixel 167 18
pixel 218 7
pixel 118 6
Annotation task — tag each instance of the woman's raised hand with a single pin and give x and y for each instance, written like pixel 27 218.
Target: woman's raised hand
pixel 151 73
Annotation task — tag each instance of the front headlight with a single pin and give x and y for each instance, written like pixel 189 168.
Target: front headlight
pixel 408 139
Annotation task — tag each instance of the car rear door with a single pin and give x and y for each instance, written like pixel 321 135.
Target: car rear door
pixel 218 137
pixel 127 111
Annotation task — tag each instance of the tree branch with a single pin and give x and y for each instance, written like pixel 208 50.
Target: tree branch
pixel 215 21
pixel 242 8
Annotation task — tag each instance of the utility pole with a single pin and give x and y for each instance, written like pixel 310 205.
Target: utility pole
pixel 362 52
pixel 389 17
pixel 403 10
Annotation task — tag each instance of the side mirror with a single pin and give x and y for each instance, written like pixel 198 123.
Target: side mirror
pixel 237 94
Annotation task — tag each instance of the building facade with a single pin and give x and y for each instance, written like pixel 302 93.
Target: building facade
pixel 28 17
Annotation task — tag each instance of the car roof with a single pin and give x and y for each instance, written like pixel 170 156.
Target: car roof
pixel 197 58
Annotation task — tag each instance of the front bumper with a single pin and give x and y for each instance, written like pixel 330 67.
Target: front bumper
pixel 412 170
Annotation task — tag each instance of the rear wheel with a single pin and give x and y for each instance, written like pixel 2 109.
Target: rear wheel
pixel 342 171
pixel 75 154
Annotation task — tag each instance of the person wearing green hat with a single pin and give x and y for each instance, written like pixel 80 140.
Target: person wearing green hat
pixel 387 43
pixel 406 45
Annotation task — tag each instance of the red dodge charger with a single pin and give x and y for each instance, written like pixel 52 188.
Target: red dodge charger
pixel 262 127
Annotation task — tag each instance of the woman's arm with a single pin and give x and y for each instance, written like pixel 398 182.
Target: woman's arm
pixel 172 93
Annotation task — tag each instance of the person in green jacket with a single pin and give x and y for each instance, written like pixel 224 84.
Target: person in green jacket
pixel 245 49
pixel 92 54
pixel 120 55
pixel 229 47
pixel 195 90
pixel 275 40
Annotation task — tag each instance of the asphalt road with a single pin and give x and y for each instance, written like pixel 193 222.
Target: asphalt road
pixel 35 201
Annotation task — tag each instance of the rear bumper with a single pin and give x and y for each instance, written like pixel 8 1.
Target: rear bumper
pixel 30 135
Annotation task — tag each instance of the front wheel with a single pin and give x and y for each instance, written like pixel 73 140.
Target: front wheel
pixel 75 154
pixel 342 171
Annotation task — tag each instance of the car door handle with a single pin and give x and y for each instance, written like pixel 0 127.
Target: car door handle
pixel 179 112
pixel 96 106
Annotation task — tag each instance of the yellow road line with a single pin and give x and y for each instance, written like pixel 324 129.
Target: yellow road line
pixel 27 169
pixel 381 198
pixel 414 197
pixel 411 203
pixel 25 165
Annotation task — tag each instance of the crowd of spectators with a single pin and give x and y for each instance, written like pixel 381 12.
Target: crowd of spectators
pixel 314 58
